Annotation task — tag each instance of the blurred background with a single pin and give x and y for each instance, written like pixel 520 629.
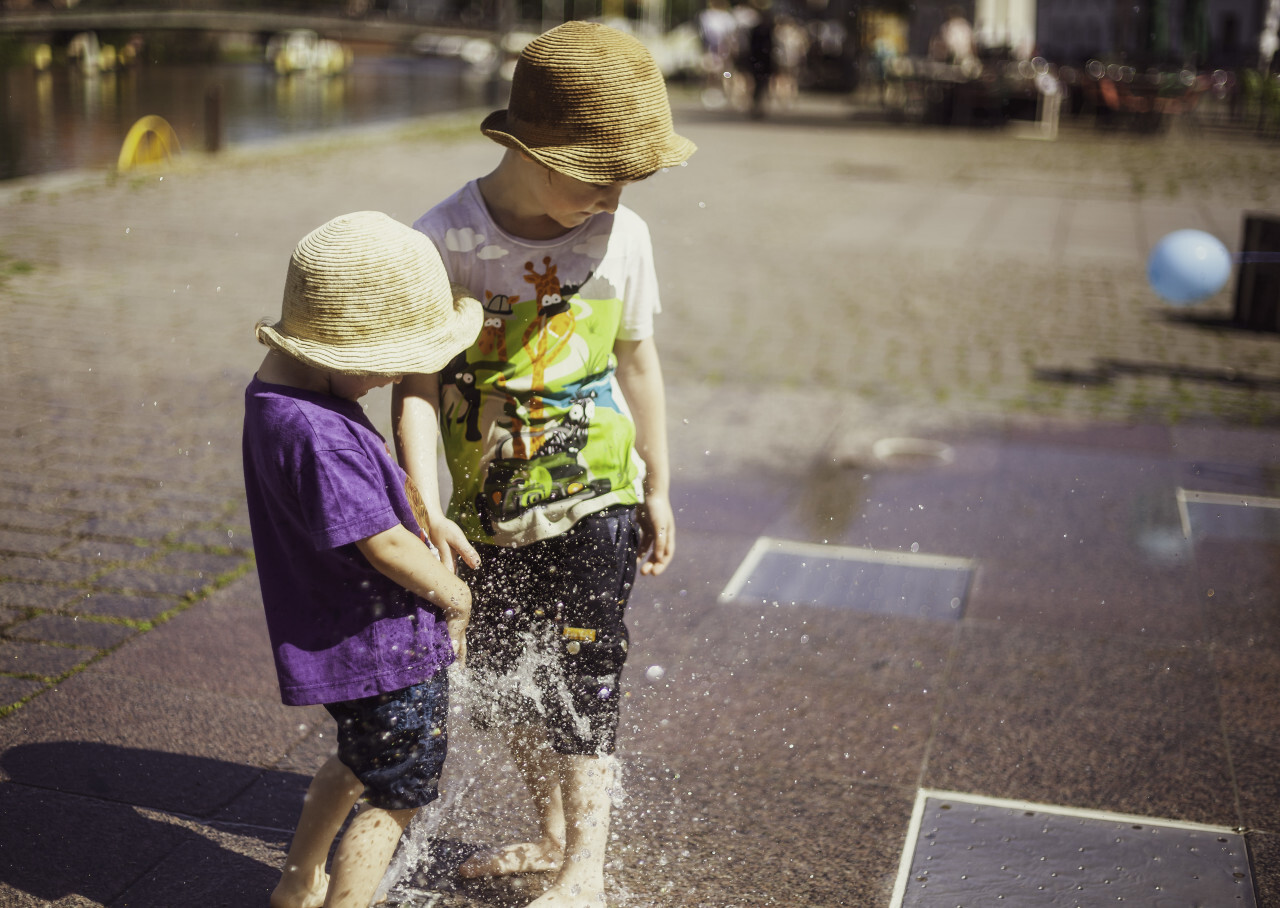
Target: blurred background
pixel 75 74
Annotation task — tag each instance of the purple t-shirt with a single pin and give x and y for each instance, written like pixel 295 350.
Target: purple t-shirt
pixel 319 478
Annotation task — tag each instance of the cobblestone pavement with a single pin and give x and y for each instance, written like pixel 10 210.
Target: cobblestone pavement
pixel 827 282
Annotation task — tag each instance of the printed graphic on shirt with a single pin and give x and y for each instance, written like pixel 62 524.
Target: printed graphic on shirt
pixel 529 412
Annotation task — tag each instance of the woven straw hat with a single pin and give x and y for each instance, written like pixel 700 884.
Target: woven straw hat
pixel 366 295
pixel 589 102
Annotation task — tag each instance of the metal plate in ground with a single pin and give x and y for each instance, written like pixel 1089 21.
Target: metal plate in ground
pixel 888 583
pixel 1222 515
pixel 969 851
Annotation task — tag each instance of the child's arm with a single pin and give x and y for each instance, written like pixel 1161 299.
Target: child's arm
pixel 403 557
pixel 640 376
pixel 415 427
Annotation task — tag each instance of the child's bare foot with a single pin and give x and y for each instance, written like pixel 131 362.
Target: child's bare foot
pixel 297 889
pixel 527 857
pixel 565 896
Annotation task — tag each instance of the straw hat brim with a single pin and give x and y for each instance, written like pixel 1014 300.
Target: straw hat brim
pixel 426 350
pixel 593 163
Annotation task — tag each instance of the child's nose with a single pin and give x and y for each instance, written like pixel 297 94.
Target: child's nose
pixel 611 197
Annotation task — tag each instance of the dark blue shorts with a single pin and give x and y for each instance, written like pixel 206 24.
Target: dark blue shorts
pixel 547 642
pixel 396 743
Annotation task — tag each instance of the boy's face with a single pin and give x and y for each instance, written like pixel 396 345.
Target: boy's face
pixel 354 387
pixel 570 202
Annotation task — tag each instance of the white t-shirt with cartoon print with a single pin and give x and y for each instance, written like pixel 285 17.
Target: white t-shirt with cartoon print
pixel 535 429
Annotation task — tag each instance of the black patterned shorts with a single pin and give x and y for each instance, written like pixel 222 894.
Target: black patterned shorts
pixel 547 640
pixel 395 743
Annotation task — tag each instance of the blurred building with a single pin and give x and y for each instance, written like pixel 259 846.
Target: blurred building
pixel 1205 33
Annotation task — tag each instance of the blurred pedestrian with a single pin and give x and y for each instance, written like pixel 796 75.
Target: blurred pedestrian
pixel 760 56
pixel 790 45
pixel 956 38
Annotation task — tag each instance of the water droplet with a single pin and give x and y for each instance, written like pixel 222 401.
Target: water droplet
pixel 655 672
pixel 915 546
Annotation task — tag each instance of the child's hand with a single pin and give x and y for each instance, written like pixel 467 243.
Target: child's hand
pixel 458 636
pixel 451 543
pixel 657 533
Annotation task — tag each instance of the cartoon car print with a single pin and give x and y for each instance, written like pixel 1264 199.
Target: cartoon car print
pixel 513 486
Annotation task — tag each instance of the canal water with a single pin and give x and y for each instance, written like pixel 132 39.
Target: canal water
pixel 63 119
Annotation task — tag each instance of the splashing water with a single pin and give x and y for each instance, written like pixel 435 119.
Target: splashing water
pixel 477 756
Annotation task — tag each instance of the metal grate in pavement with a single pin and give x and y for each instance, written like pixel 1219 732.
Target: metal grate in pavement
pixel 891 583
pixel 969 851
pixel 1224 515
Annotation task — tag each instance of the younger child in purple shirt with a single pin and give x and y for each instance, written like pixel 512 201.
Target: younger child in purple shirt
pixel 363 616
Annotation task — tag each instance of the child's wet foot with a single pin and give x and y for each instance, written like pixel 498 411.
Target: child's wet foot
pixel 527 857
pixel 296 891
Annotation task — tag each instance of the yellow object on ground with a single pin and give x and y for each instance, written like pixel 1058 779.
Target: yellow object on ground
pixel 150 141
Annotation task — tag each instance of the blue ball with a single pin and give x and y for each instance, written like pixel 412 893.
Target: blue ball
pixel 1188 266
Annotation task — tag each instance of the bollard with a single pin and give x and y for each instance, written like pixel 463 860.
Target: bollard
pixel 1257 304
pixel 213 119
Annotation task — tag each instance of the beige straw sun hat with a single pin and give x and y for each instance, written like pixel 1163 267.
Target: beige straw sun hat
pixel 366 295
pixel 589 102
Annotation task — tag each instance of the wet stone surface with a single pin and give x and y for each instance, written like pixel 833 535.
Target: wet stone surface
pixel 776 756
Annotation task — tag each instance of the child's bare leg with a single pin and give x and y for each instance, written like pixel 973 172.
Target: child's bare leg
pixel 363 855
pixel 330 797
pixel 585 782
pixel 538 766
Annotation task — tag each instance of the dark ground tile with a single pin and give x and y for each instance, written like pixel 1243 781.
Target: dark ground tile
pixel 19 542
pixel 120 605
pixel 71 631
pixel 1255 758
pixel 10 615
pixel 145 580
pixel 18 594
pixel 806 726
pixel 37 659
pixel 1216 443
pixel 14 689
pixel 1248 681
pixel 742 838
pixel 1140 439
pixel 206 565
pixel 35 521
pixel 123 528
pixel 1264 853
pixel 182 751
pixel 665 610
pixel 1083 596
pixel 219 645
pixel 1021 669
pixel 318 743
pixel 749 505
pixel 23 567
pixel 55 847
pixel 20 494
pixel 237 538
pixel 1155 765
pixel 100 551
pixel 228 870
pixel 843 645
pixel 273 801
pixel 1236 585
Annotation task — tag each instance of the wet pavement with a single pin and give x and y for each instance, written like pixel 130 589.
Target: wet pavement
pixel 1112 645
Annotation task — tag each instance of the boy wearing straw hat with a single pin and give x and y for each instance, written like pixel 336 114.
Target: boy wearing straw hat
pixel 363 616
pixel 553 425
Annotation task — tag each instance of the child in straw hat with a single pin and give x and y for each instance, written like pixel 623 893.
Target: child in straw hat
pixel 363 616
pixel 553 425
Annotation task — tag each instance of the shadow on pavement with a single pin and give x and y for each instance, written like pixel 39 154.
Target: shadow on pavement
pixel 99 821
